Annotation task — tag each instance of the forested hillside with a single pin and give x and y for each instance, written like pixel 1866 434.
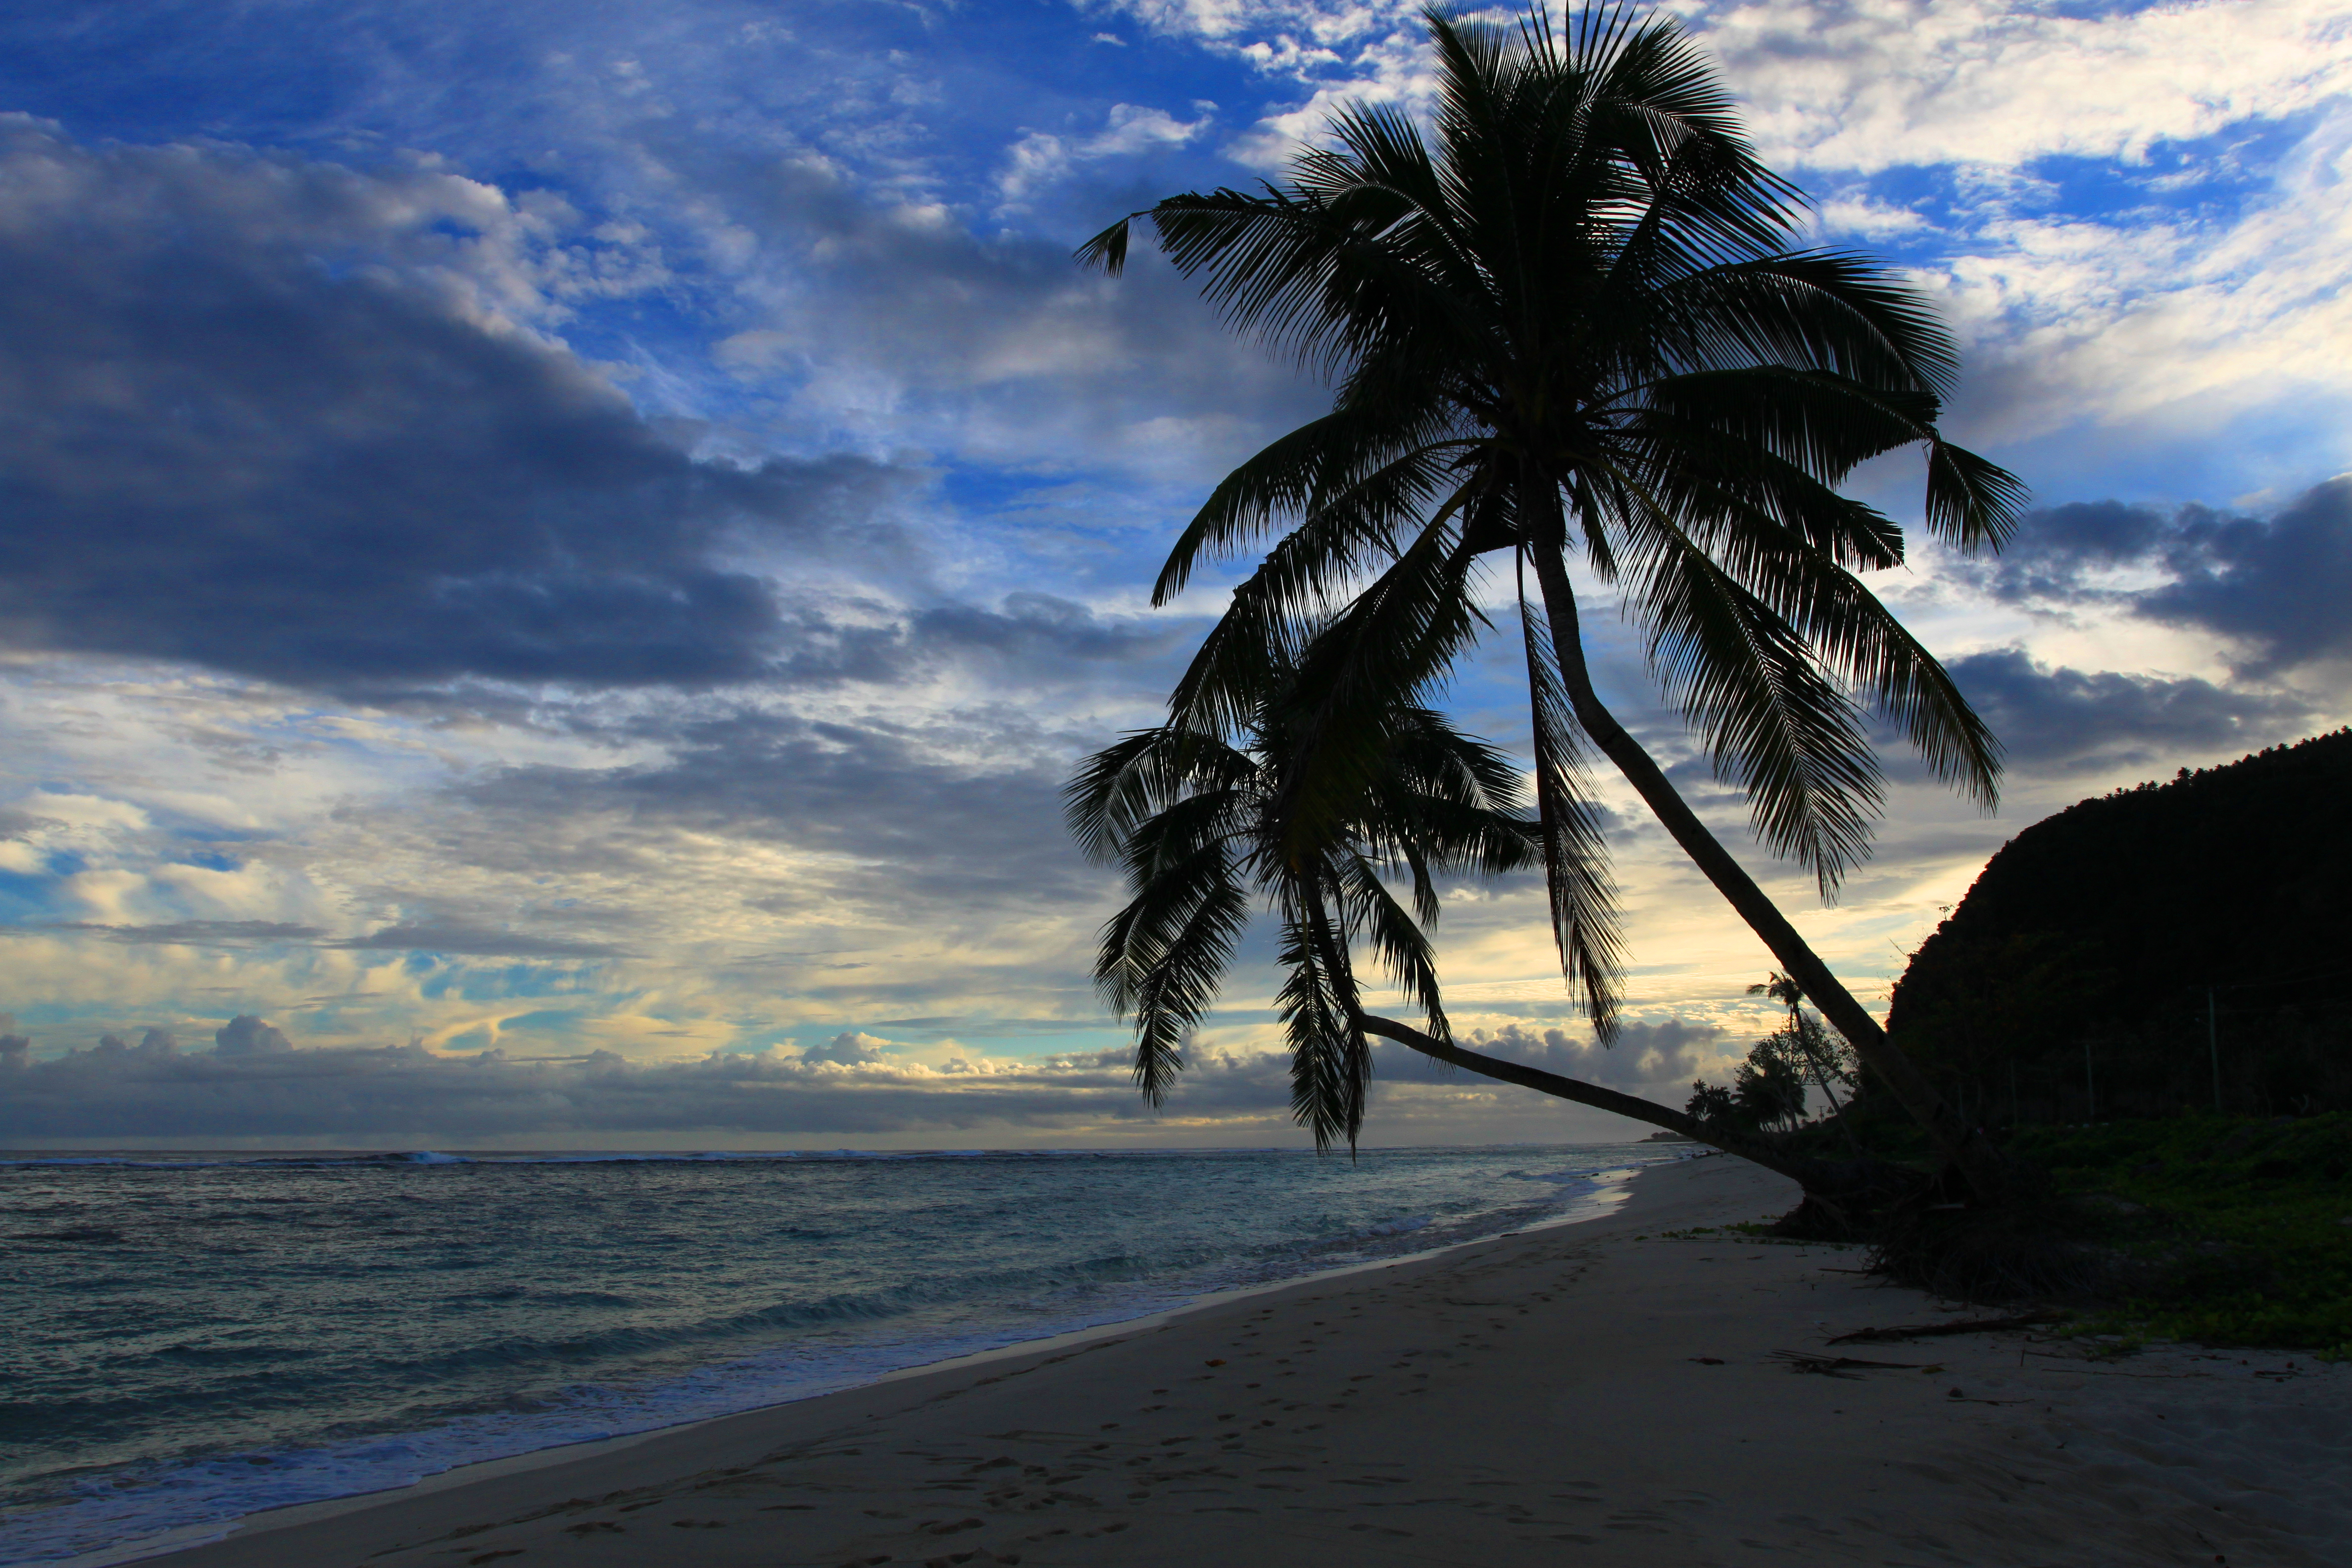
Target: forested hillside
pixel 2106 951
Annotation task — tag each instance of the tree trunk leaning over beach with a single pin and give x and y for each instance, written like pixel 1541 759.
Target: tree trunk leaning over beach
pixel 1204 829
pixel 1806 1174
pixel 1578 324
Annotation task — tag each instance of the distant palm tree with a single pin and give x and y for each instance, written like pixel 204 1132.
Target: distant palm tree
pixel 1580 324
pixel 1770 1088
pixel 1806 1038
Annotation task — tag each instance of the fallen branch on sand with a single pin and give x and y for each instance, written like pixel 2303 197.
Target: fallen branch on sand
pixel 1841 1365
pixel 1966 1326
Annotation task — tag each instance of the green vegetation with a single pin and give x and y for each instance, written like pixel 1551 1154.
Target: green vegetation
pixel 2224 1231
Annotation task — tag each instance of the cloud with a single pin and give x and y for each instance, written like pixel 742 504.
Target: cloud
pixel 1852 85
pixel 2062 720
pixel 476 942
pixel 1847 84
pixel 963 816
pixel 246 422
pixel 2278 587
pixel 1040 158
pixel 2060 551
pixel 2282 585
pixel 1657 1058
pixel 255 1085
pixel 878 320
pixel 851 1048
pixel 187 933
pixel 247 1035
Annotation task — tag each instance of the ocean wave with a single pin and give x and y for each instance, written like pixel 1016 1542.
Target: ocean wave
pixel 1401 1227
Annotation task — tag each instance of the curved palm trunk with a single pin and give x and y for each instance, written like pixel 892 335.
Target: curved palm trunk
pixel 1805 1172
pixel 1963 1145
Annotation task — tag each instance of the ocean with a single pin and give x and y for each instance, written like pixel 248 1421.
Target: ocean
pixel 193 1338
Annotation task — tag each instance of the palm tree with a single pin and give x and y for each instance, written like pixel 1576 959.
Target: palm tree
pixel 1579 325
pixel 1805 1035
pixel 1206 829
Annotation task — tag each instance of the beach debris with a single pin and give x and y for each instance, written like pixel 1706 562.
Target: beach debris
pixel 1963 1326
pixel 1838 1366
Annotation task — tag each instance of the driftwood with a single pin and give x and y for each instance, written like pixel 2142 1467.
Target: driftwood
pixel 1932 1331
pixel 1841 1365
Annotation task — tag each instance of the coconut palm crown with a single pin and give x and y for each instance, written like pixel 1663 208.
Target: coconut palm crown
pixel 1576 323
pixel 1205 830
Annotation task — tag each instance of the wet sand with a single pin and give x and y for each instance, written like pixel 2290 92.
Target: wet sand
pixel 1602 1393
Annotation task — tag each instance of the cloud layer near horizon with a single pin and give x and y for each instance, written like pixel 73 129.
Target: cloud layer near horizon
pixel 256 1084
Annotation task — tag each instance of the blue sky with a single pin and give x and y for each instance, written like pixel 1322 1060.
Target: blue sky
pixel 556 554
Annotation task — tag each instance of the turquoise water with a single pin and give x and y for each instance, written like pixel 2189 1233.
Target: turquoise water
pixel 193 1338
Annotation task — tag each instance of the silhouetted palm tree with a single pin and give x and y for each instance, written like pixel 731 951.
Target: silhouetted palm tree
pixel 1580 326
pixel 1808 1039
pixel 1207 830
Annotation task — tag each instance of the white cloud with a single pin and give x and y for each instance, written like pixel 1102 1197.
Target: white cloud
pixel 1040 159
pixel 1866 84
pixel 2170 323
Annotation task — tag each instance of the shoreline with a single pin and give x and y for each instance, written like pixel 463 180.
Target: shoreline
pixel 1617 1390
pixel 180 1539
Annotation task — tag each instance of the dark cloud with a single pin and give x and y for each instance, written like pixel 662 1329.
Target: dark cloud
pixel 232 433
pixel 454 937
pixel 851 1048
pixel 2059 717
pixel 1040 634
pixel 1000 331
pixel 2279 587
pixel 1657 1059
pixel 479 941
pixel 2056 546
pixel 255 1083
pixel 247 1035
pixel 187 933
pixel 395 1092
pixel 967 814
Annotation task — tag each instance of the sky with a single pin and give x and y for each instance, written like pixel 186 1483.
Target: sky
pixel 555 557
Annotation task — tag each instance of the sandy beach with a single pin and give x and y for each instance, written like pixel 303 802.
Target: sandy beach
pixel 1604 1392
